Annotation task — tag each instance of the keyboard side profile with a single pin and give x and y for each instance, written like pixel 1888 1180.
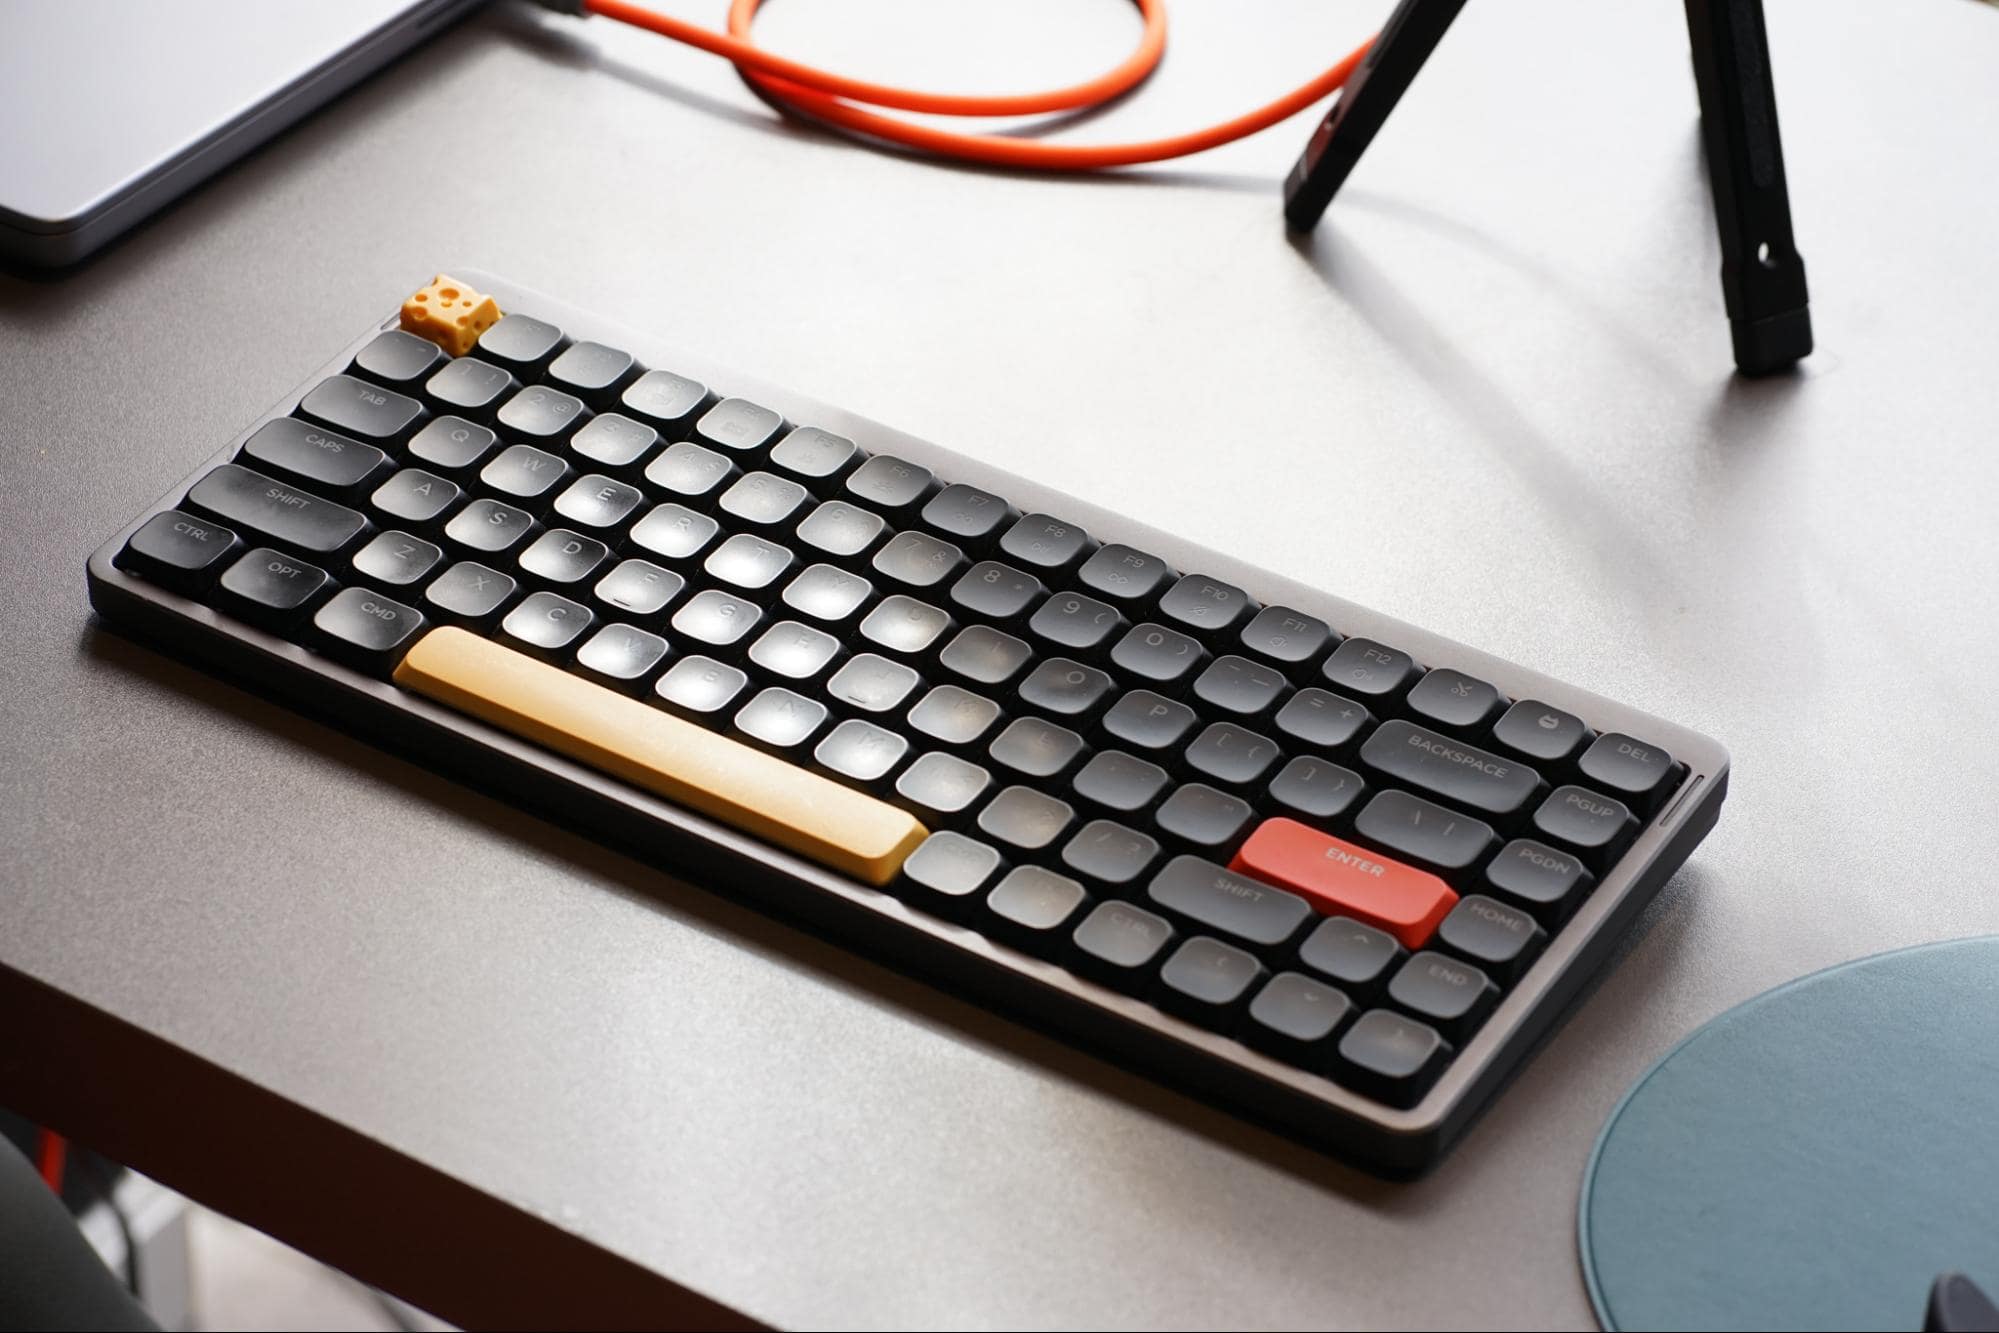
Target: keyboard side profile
pixel 1435 769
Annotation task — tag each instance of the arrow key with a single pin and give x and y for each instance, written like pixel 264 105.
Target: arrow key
pixel 1295 1019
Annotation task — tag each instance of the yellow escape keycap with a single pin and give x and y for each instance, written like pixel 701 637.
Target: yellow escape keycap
pixel 798 810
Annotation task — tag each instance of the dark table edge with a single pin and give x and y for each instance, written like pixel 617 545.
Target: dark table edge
pixel 244 1151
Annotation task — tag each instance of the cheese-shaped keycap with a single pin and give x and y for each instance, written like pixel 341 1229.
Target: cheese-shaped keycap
pixel 450 314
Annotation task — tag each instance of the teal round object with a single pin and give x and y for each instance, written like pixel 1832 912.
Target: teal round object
pixel 1812 1158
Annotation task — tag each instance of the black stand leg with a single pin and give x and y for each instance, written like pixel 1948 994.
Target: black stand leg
pixel 1762 275
pixel 1372 91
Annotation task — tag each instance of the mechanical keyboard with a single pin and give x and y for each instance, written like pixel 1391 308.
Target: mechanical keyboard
pixel 1306 862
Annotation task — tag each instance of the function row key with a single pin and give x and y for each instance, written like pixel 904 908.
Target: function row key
pixel 891 486
pixel 1046 544
pixel 592 371
pixel 1124 575
pixel 1205 606
pixel 815 457
pixel 1540 732
pixel 1289 639
pixel 967 515
pixel 398 360
pixel 738 427
pixel 521 344
pixel 1449 698
pixel 1369 671
pixel 667 402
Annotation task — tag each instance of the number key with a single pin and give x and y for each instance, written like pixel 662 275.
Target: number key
pixel 1157 655
pixel 993 591
pixel 918 560
pixel 1074 622
pixel 1239 686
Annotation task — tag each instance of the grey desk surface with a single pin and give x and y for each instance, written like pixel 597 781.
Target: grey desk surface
pixel 1492 397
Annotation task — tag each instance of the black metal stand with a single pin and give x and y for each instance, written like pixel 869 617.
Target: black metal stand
pixel 1762 274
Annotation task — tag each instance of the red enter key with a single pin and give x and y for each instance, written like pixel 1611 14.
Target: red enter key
pixel 1339 878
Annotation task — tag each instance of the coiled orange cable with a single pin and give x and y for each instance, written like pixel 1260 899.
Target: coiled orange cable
pixel 839 100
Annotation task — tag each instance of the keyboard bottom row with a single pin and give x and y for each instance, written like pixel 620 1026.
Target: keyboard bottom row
pixel 1210 944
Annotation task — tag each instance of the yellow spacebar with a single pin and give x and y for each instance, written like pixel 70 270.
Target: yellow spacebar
pixel 779 802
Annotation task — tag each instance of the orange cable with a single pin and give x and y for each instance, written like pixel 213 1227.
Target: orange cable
pixel 51 1153
pixel 834 98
